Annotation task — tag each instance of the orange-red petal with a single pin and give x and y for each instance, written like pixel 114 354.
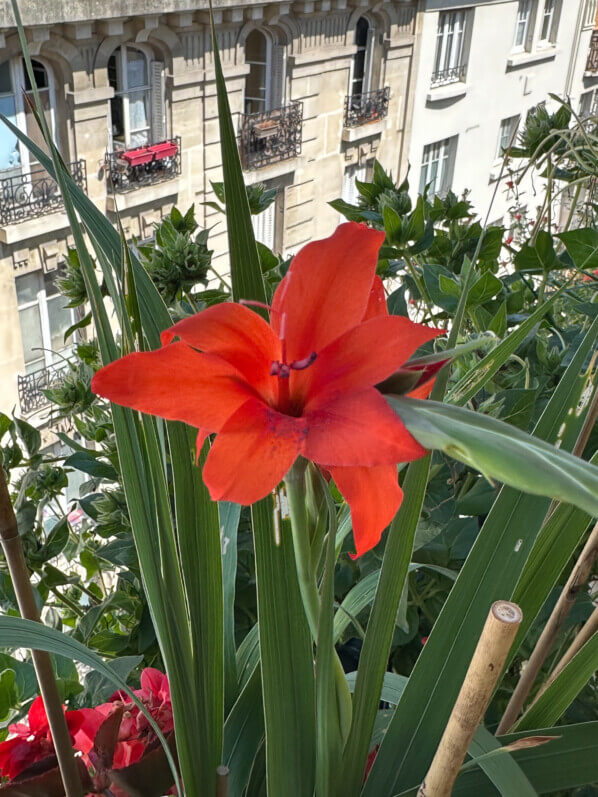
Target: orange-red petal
pixel 361 357
pixel 253 452
pixel 326 289
pixel 373 495
pixel 176 383
pixel 377 301
pixel 358 429
pixel 235 334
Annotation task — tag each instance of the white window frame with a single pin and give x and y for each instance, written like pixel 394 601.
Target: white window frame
pixel 450 42
pixel 437 166
pixel 264 225
pixel 46 357
pixel 549 21
pixel 17 78
pixel 122 77
pixel 524 18
pixel 506 133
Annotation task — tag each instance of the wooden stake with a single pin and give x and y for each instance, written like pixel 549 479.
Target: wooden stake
pixel 222 774
pixel 576 581
pixel 484 671
pixel 587 631
pixel 15 558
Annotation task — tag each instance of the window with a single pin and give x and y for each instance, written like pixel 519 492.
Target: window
pixel 265 83
pixel 44 318
pixel 589 13
pixel 437 166
pixel 15 90
pixel 506 136
pixel 588 105
pixel 522 25
pixel 361 71
pixel 549 22
pixel 263 225
pixel 449 62
pixel 349 191
pixel 137 108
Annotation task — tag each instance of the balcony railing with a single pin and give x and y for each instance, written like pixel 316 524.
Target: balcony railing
pixel 128 169
pixel 454 74
pixel 592 62
pixel 26 195
pixel 363 108
pixel 31 386
pixel 271 136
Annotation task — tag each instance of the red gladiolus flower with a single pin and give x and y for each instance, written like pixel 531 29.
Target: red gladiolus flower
pixel 135 732
pixel 33 740
pixel 302 385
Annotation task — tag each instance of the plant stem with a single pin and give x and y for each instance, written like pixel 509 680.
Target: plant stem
pixel 484 671
pixel 15 558
pixel 576 581
pixel 296 494
pixel 587 631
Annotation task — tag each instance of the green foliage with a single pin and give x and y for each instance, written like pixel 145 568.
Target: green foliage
pixel 148 571
pixel 177 261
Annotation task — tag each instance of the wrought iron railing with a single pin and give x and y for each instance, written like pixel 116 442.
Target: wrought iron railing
pixel 31 386
pixel 128 169
pixel 454 74
pixel 271 136
pixel 32 193
pixel 592 62
pixel 369 107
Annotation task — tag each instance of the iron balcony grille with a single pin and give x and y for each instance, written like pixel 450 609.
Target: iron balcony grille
pixel 455 74
pixel 369 107
pixel 271 136
pixel 27 195
pixel 128 169
pixel 592 63
pixel 31 386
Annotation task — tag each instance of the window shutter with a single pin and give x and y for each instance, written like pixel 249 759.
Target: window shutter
pixel 277 78
pixel 263 226
pixel 157 100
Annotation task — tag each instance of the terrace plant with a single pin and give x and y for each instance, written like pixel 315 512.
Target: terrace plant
pixel 493 513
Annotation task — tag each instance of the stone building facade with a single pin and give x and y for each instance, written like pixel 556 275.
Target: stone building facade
pixel 317 88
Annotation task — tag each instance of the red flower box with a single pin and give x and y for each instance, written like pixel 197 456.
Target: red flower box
pixel 155 152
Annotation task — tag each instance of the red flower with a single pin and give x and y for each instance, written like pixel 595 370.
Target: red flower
pixel 510 184
pixel 301 385
pixel 509 240
pixel 370 761
pixel 135 732
pixel 518 216
pixel 33 740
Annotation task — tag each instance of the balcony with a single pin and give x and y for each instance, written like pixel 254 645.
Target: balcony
pixel 27 195
pixel 128 169
pixel 592 62
pixel 454 74
pixel 363 108
pixel 270 136
pixel 31 386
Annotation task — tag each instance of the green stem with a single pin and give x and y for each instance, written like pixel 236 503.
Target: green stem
pixel 296 495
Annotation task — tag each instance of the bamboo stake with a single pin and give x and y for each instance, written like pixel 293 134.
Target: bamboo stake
pixel 576 581
pixel 484 671
pixel 15 558
pixel 586 632
pixel 222 774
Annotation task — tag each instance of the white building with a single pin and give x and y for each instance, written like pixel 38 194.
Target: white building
pixel 481 67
